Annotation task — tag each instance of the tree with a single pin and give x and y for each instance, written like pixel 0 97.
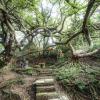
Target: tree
pixel 73 19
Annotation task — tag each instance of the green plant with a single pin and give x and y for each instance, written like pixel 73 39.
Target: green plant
pixel 81 78
pixel 28 71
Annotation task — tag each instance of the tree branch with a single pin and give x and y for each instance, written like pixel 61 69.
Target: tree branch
pixel 81 53
pixel 84 26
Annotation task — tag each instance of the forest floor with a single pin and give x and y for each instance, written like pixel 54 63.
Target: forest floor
pixel 21 84
pixel 45 82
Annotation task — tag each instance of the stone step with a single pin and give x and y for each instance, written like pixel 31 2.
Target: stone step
pixel 45 89
pixel 45 74
pixel 55 99
pixel 44 82
pixel 46 95
pixel 63 97
pixel 45 69
pixel 44 77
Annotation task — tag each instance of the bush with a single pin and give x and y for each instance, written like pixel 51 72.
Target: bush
pixel 27 71
pixel 80 78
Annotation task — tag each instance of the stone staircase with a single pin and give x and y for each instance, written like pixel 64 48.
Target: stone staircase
pixel 46 89
pixel 45 86
pixel 44 71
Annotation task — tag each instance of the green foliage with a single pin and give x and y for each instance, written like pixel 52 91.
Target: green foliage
pixel 15 81
pixel 75 76
pixel 1 48
pixel 11 82
pixel 95 47
pixel 69 72
pixel 6 94
pixel 28 71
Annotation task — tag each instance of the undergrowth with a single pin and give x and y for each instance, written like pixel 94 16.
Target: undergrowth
pixel 27 71
pixel 80 81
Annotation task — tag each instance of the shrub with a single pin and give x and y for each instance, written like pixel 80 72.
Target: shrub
pixel 80 78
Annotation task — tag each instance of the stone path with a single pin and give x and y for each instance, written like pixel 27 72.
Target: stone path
pixel 46 89
pixel 45 83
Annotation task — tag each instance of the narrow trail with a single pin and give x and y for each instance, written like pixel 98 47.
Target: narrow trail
pixel 46 87
pixel 12 88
